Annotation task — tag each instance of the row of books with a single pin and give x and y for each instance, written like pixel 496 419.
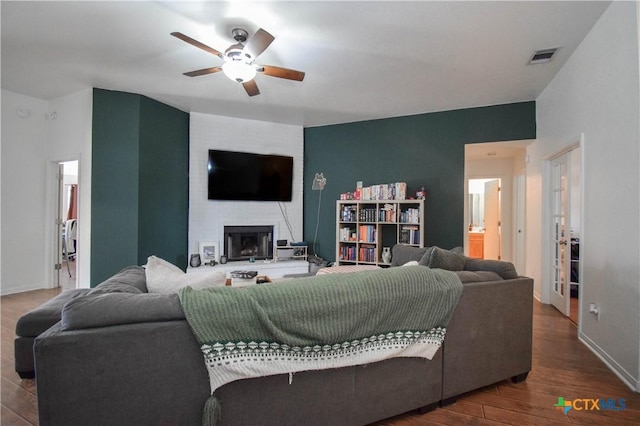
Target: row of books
pixel 368 214
pixel 367 233
pixel 346 234
pixel 384 191
pixel 348 253
pixel 387 213
pixel 365 254
pixel 348 213
pixel 410 216
pixel 410 235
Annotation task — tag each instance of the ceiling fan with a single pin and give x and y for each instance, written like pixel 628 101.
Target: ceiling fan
pixel 238 59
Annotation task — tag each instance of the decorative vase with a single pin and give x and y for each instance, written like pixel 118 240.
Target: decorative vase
pixel 195 260
pixel 386 255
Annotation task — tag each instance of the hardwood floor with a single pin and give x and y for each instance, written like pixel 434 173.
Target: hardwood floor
pixel 19 405
pixel 562 367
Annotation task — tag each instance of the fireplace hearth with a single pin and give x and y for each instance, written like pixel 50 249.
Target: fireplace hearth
pixel 248 242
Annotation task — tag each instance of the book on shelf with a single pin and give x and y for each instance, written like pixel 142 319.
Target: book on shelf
pixel 401 190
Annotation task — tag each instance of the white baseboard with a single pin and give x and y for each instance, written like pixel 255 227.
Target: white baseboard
pixel 618 370
pixel 4 291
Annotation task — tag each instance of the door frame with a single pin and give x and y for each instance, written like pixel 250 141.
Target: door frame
pixel 502 178
pixel 547 215
pixel 52 239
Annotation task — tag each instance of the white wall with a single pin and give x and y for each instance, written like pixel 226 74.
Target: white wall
pixel 207 218
pixel 31 147
pixel 70 139
pixel 24 148
pixel 597 93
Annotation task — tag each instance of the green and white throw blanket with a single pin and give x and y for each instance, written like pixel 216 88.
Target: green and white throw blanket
pixel 329 321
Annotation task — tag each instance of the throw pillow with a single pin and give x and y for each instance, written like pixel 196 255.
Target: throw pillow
pixel 132 276
pixel 164 277
pixel 439 258
pixel 401 254
pixel 411 263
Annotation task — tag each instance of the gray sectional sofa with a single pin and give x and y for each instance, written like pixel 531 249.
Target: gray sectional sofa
pixel 130 358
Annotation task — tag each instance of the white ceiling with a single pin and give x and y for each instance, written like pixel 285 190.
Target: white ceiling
pixel 363 60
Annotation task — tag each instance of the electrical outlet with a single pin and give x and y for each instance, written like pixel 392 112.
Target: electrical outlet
pixel 595 309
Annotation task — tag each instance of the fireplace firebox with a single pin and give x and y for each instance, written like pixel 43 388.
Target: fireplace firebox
pixel 248 242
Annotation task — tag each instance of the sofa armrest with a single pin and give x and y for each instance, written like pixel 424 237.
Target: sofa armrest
pixel 489 338
pixel 102 310
pixel 145 373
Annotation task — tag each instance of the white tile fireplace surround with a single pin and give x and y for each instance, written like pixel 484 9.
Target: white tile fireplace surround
pixel 207 218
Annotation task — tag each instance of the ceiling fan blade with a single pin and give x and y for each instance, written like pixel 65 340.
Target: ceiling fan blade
pixel 257 44
pixel 251 87
pixel 281 72
pixel 203 71
pixel 197 44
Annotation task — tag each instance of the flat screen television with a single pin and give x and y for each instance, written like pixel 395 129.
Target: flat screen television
pixel 244 176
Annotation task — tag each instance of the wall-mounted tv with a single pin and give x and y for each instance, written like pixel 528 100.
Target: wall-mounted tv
pixel 244 176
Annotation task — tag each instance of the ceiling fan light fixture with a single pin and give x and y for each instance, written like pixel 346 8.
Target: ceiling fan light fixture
pixel 239 71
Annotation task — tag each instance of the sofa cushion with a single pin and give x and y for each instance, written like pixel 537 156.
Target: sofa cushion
pixel 164 277
pixel 477 276
pixel 101 310
pixel 435 257
pixel 40 319
pixel 401 254
pixel 132 276
pixel 505 269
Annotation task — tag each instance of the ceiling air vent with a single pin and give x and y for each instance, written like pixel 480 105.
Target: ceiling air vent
pixel 542 56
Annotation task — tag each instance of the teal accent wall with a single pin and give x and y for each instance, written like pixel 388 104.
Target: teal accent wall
pixel 421 150
pixel 139 183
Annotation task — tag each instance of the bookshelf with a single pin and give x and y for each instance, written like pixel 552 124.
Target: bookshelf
pixel 364 227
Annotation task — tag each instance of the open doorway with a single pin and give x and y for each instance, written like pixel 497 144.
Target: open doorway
pixel 67 225
pixel 485 220
pixel 502 166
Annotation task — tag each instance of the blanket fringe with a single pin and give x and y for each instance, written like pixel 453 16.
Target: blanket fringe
pixel 211 413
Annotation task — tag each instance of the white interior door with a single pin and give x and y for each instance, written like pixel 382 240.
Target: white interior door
pixel 519 258
pixel 560 250
pixel 492 219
